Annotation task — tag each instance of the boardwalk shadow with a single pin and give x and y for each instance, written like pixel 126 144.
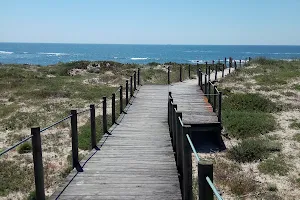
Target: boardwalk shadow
pixel 208 142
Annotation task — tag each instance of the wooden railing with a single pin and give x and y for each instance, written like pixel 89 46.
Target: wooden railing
pixel 183 148
pixel 36 131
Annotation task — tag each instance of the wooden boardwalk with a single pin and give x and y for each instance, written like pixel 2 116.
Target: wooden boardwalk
pixel 190 100
pixel 136 161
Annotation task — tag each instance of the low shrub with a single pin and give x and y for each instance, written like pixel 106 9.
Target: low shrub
pixel 296 137
pixel 247 124
pixel 15 178
pixel 26 147
pixel 275 165
pixel 295 125
pixel 249 102
pixel 242 184
pixel 253 149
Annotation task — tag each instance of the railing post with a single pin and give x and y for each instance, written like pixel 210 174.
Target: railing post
pixel 235 65
pixel 200 79
pixel 205 85
pixel 174 107
pixel 104 116
pixel 74 129
pixel 208 73
pixel 38 163
pixel 189 71
pixel 205 67
pixel 215 98
pixel 127 91
pixel 169 75
pixel 225 60
pixel 121 99
pixel 205 169
pixel 139 76
pixel 134 80
pixel 240 63
pixel 180 73
pixel 113 108
pixel 230 64
pixel 93 126
pixel 169 107
pixel 209 91
pixel 131 87
pixel 249 59
pixel 216 72
pixel 187 167
pixel 223 69
pixel 198 73
pixel 220 108
pixel 178 148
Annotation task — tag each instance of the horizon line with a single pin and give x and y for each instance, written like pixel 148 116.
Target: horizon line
pixel 154 44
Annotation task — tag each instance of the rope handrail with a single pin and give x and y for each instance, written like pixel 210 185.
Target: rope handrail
pixel 83 111
pixel 15 145
pixel 193 148
pixel 214 189
pixel 50 126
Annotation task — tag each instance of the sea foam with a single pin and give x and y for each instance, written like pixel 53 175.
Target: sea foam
pixel 54 54
pixel 6 52
pixel 139 58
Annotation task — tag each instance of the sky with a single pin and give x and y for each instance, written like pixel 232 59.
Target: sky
pixel 217 22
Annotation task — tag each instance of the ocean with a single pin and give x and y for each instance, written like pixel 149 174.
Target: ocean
pixel 46 54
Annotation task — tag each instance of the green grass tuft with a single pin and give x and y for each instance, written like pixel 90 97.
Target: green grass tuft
pixel 252 149
pixel 247 124
pixel 249 102
pixel 26 147
pixel 275 165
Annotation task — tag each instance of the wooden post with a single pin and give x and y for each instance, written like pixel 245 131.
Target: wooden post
pixel 113 108
pixel 225 60
pixel 230 64
pixel 180 74
pixel 205 84
pixel 208 73
pixel 74 130
pixel 215 98
pixel 131 87
pixel 104 116
pixel 93 125
pixel 121 99
pixel 187 167
pixel 134 80
pixel 139 76
pixel 127 91
pixel 220 108
pixel 240 63
pixel 205 67
pixel 216 72
pixel 235 65
pixel 205 169
pixel 209 91
pixel 249 59
pixel 189 71
pixel 38 163
pixel 169 107
pixel 200 79
pixel 168 75
pixel 178 143
pixel 174 108
pixel 223 70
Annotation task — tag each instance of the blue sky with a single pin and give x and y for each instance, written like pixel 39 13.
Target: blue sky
pixel 151 21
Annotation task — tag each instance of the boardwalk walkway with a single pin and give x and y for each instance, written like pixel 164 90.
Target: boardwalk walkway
pixel 137 160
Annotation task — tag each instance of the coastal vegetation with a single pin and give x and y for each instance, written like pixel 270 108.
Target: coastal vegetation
pixel 261 131
pixel 41 95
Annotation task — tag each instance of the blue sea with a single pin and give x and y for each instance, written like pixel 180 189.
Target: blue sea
pixel 46 54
